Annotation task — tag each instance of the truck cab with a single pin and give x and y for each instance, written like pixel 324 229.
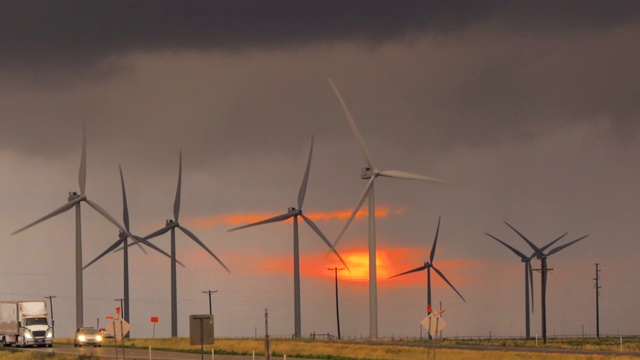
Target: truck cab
pixel 36 331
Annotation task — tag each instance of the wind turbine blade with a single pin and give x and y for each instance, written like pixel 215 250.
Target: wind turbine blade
pixel 553 242
pixel 315 228
pixel 303 186
pixel 397 174
pixel 108 250
pixel 435 242
pixel 267 221
pixel 365 192
pixel 531 282
pixel 515 251
pixel 195 238
pixel 411 271
pixel 176 203
pixel 125 207
pixel 533 246
pixel 154 234
pixel 82 175
pixel 354 128
pixel 450 284
pixel 139 240
pixel 106 215
pixel 55 212
pixel 555 250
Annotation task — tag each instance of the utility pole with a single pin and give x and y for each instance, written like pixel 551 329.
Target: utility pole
pixel 210 292
pixel 53 328
pixel 597 300
pixel 267 347
pixel 335 270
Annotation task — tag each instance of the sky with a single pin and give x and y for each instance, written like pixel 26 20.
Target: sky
pixel 529 108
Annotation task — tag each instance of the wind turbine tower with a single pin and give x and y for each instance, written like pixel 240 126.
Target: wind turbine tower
pixel 293 212
pixel 428 265
pixel 542 256
pixel 370 173
pixel 74 200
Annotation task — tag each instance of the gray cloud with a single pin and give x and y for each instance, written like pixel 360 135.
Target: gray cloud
pixel 72 35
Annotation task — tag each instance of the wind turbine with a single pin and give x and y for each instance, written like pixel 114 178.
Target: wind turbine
pixel 542 256
pixel 294 213
pixel 370 173
pixel 171 225
pixel 74 200
pixel 528 277
pixel 428 265
pixel 123 237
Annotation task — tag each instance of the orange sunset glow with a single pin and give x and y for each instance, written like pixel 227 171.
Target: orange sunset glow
pixel 234 220
pixel 390 261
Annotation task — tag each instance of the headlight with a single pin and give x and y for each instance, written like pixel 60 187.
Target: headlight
pixel 49 334
pixel 28 334
pixel 98 338
pixel 82 338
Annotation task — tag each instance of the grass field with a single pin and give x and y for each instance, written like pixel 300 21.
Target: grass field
pixel 398 349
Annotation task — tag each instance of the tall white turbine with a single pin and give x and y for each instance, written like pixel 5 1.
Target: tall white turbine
pixel 370 173
pixel 74 200
pixel 294 213
pixel 123 238
pixel 171 225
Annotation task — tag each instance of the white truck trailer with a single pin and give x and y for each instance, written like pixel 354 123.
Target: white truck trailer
pixel 25 323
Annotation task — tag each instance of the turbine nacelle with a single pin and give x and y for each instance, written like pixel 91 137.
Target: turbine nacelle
pixel 73 195
pixel 367 173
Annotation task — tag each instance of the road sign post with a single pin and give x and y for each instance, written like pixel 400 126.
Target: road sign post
pixel 154 320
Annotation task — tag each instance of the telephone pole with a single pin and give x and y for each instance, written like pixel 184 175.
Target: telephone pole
pixel 597 300
pixel 210 292
pixel 53 328
pixel 335 270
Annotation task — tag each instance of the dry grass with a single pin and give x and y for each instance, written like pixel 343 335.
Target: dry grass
pixel 399 349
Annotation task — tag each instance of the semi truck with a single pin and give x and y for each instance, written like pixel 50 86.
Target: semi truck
pixel 25 323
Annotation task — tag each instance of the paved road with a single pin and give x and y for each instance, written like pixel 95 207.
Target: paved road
pixel 131 354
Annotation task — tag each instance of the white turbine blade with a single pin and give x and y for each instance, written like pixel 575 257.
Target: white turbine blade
pixel 305 179
pixel 108 250
pixel 397 174
pixel 82 175
pixel 555 250
pixel 195 238
pixel 528 264
pixel 532 245
pixel 367 188
pixel 553 242
pixel 514 250
pixel 435 242
pixel 154 234
pixel 267 221
pixel 450 284
pixel 125 207
pixel 354 128
pixel 106 215
pixel 55 212
pixel 176 203
pixel 315 228
pixel 423 267
pixel 139 240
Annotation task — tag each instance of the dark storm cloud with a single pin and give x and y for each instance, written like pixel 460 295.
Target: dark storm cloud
pixel 41 35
